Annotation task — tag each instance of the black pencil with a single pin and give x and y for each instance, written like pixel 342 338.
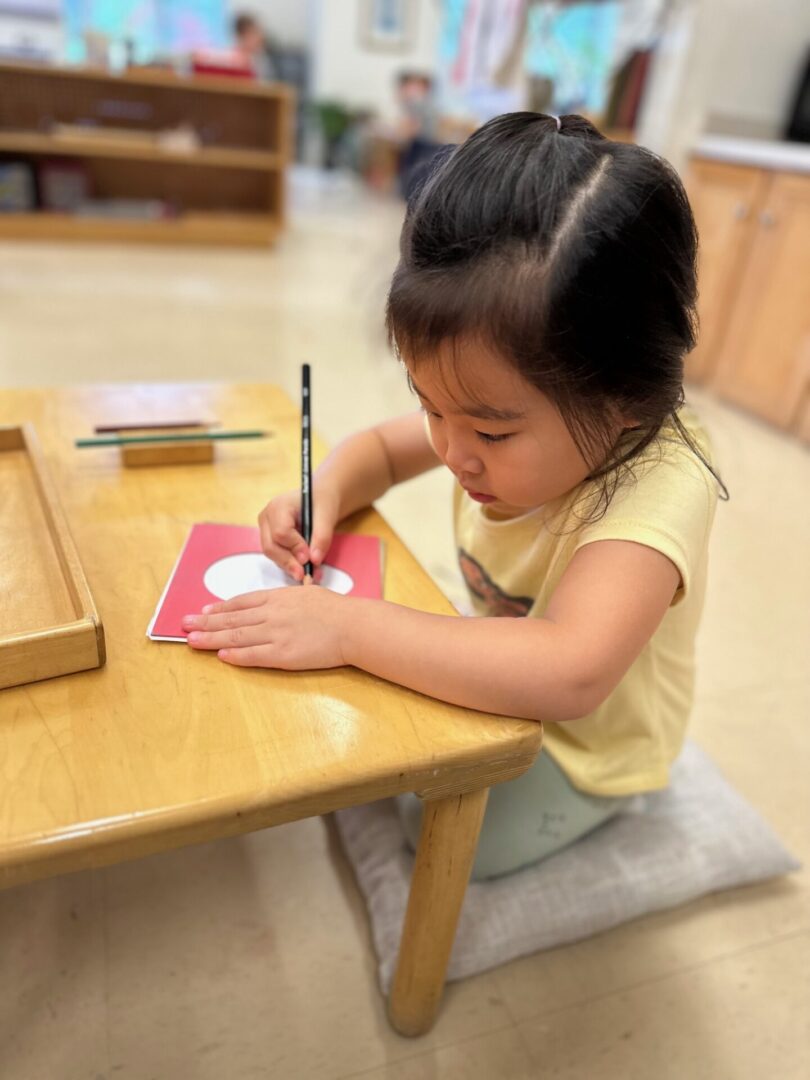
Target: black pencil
pixel 306 461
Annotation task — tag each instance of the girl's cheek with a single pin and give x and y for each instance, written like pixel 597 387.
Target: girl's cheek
pixel 439 441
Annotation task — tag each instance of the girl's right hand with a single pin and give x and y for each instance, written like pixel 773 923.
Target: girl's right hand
pixel 279 525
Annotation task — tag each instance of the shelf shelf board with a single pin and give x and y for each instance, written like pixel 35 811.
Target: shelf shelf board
pixel 96 146
pixel 197 227
pixel 156 77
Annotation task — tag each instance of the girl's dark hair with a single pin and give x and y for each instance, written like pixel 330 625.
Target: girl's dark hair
pixel 571 255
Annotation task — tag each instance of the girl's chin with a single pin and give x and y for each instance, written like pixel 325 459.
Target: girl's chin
pixel 499 509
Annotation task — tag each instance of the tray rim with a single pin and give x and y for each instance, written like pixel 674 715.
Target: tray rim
pixel 86 618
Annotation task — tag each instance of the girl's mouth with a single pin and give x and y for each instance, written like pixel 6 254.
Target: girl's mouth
pixel 479 496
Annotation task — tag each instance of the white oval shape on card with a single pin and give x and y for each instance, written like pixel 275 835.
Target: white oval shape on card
pixel 250 571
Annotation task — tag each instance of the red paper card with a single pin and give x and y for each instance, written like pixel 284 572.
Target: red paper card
pixel 221 561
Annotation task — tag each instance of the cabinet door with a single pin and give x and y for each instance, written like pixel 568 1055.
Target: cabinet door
pixel 725 201
pixel 765 362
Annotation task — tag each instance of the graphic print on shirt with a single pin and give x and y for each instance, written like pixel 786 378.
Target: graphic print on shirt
pixel 481 584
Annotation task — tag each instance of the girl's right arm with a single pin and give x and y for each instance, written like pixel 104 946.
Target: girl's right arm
pixel 358 471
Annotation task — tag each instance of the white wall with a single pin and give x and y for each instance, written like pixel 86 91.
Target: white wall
pixel 726 65
pixel 343 70
pixel 41 34
pixel 760 47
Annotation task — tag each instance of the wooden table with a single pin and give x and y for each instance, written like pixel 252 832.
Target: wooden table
pixel 165 746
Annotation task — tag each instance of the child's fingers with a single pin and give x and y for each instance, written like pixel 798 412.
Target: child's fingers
pixel 237 603
pixel 273 518
pixel 209 620
pixel 286 561
pixel 322 532
pixel 281 540
pixel 281 556
pixel 283 527
pixel 284 534
pixel 265 537
pixel 293 541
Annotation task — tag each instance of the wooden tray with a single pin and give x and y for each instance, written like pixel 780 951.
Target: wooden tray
pixel 48 621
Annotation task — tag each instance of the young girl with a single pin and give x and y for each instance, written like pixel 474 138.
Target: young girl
pixel 542 307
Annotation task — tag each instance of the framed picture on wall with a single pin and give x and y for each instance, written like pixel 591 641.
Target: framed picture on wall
pixel 387 25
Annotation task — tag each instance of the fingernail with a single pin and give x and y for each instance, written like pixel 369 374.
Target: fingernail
pixel 316 555
pixel 207 608
pixel 189 620
pixel 301 556
pixel 194 636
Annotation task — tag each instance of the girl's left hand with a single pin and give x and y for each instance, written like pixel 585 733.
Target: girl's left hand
pixel 296 628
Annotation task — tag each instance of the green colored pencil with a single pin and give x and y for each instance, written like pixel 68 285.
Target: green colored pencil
pixel 201 436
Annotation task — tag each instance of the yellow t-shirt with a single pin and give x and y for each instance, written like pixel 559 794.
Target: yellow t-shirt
pixel 512 567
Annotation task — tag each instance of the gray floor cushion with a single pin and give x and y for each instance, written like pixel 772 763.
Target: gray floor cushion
pixel 696 837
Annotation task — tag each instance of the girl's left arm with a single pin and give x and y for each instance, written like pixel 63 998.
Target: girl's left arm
pixel 606 607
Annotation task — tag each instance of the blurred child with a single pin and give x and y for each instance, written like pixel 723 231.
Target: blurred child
pixel 416 127
pixel 251 42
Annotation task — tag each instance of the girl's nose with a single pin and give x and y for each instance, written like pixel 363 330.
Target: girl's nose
pixel 460 459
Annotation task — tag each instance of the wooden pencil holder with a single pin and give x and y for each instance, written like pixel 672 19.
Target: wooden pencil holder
pixel 180 453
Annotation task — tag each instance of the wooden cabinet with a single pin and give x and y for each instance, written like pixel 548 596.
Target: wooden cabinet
pixel 725 200
pixel 754 304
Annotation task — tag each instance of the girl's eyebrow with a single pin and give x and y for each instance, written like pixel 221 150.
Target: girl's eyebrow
pixel 478 409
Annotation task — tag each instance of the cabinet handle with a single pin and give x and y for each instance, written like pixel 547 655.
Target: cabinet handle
pixel 740 211
pixel 767 219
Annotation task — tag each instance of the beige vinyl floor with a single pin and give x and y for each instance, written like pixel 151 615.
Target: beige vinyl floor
pixel 251 957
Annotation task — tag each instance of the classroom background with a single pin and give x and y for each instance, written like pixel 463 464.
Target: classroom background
pixel 185 199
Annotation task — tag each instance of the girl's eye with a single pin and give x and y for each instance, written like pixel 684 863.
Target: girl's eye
pixel 492 438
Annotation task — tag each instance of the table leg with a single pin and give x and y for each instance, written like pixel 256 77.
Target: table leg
pixel 444 859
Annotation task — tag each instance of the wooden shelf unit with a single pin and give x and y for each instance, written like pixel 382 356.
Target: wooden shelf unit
pixel 229 190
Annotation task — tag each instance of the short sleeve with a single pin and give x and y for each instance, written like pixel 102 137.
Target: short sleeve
pixel 667 504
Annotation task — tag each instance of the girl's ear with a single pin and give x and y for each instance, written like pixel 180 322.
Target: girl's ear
pixel 626 418
pixel 620 418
